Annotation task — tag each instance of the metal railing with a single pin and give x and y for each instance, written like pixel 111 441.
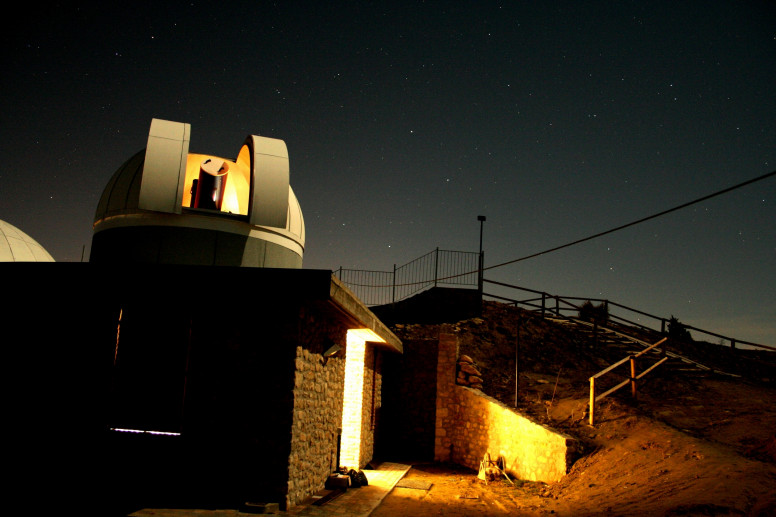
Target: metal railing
pixel 563 306
pixel 464 268
pixel 436 268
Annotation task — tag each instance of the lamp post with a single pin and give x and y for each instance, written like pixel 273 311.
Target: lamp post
pixel 481 219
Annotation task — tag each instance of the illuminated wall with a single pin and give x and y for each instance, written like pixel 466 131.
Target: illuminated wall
pixel 350 456
pixel 361 388
pixel 469 424
pixel 532 451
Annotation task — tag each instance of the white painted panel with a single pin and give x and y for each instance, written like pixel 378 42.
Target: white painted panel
pixel 164 171
pixel 270 178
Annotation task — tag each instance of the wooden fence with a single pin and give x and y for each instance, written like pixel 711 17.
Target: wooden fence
pixel 631 359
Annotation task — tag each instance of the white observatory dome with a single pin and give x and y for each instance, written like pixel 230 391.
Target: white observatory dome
pixel 17 246
pixel 166 205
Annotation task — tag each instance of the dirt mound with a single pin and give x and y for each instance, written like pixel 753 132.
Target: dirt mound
pixel 690 444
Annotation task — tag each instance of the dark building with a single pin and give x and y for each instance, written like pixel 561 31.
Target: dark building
pixel 191 362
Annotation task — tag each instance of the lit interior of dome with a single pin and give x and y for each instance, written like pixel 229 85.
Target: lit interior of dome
pixel 236 194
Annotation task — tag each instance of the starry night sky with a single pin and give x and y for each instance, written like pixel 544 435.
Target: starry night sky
pixel 406 120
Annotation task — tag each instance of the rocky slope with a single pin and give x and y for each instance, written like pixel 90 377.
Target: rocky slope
pixel 691 444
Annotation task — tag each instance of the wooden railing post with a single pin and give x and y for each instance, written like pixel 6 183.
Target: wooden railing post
pixel 633 376
pixel 592 400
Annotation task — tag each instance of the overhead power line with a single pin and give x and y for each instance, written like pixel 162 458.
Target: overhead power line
pixel 643 219
pixel 591 237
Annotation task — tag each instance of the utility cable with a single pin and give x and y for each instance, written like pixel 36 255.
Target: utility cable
pixel 595 236
pixel 633 223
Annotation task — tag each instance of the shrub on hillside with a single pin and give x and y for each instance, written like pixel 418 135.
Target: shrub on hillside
pixel 677 331
pixel 594 313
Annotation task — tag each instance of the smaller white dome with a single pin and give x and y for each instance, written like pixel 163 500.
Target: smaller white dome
pixel 17 246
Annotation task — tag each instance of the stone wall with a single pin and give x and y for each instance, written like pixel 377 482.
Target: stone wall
pixel 318 407
pixel 530 450
pixel 470 424
pixel 318 390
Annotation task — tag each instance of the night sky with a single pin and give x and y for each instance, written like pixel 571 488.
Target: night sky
pixel 404 121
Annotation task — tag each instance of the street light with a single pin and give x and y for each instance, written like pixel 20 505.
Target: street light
pixel 481 219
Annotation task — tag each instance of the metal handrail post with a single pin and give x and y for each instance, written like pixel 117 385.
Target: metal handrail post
pixel 436 266
pixel 393 290
pixel 479 271
pixel 481 219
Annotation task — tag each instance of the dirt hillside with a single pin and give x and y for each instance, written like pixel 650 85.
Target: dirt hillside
pixel 692 443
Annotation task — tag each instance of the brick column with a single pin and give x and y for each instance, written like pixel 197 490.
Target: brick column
pixel 446 406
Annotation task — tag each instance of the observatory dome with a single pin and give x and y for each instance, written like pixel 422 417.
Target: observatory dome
pixel 17 246
pixel 166 205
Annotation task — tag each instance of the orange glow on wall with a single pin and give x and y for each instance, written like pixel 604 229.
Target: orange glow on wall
pixel 352 406
pixel 237 188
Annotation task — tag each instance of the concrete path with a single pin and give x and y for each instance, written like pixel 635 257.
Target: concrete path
pixel 356 502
